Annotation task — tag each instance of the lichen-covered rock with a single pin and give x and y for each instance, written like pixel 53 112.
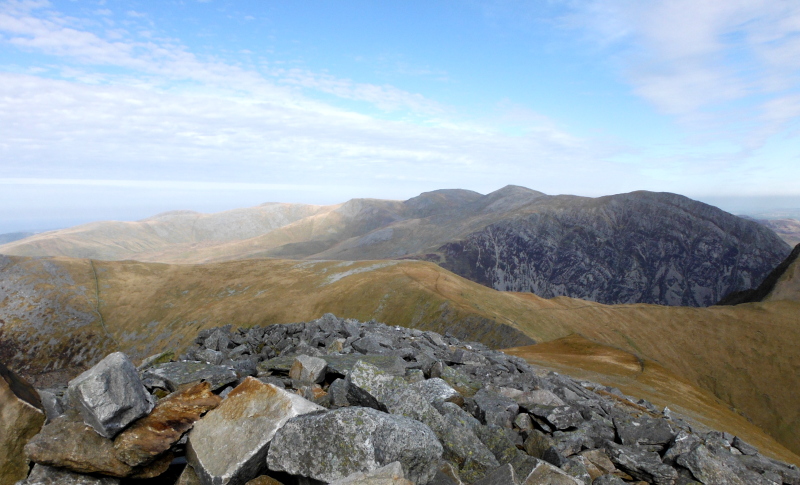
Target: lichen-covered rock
pixel 436 390
pixel 502 475
pixel 110 395
pixel 496 409
pixel 229 445
pixel 560 417
pixel 641 464
pixel 546 473
pixel 460 382
pixel 178 374
pixel 643 430
pixel 21 417
pixel 710 464
pixel 70 443
pixel 391 474
pixel 359 440
pixel 48 475
pixel 155 433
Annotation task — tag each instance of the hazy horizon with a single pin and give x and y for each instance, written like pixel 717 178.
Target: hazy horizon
pixel 763 207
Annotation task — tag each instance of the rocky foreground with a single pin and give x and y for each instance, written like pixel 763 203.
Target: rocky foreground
pixel 344 402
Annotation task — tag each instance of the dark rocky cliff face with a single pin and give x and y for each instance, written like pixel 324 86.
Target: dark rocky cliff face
pixel 641 247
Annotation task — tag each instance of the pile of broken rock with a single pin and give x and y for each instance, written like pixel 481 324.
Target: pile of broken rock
pixel 344 402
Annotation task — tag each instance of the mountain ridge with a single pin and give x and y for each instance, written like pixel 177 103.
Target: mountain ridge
pixel 634 247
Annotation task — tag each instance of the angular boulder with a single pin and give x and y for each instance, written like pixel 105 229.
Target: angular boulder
pixel 547 473
pixel 110 395
pixel 48 475
pixel 641 464
pixel 504 475
pixel 308 370
pixel 560 417
pixel 21 417
pixel 711 464
pixel 436 390
pixel 643 430
pixel 229 445
pixel 70 443
pixel 358 440
pixel 157 432
pixel 496 409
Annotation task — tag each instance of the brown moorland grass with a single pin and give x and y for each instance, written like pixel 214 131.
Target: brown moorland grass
pixel 746 355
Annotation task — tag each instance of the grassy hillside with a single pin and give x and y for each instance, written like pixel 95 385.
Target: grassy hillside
pixel 581 358
pixel 746 355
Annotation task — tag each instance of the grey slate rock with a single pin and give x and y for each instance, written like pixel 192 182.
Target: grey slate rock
pixel 576 469
pixel 608 480
pixel 391 474
pixel 435 390
pixel 362 440
pixel 761 464
pixel 560 417
pixel 53 407
pixel 343 364
pixel 643 430
pixel 177 374
pixel 503 475
pixel 744 447
pixel 496 409
pixel 711 464
pixel 110 395
pixel 641 464
pixel 683 443
pixel 48 475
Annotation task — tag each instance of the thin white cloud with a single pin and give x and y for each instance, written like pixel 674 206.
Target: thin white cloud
pixel 708 62
pixel 157 184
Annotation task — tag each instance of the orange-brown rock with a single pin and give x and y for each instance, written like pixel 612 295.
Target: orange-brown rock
pixel 154 434
pixel 70 443
pixel 21 417
pixel 263 480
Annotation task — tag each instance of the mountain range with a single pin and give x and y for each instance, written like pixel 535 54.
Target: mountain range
pixel 640 247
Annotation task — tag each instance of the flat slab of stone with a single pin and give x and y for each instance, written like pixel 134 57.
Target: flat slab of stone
pixel 391 474
pixel 110 395
pixel 155 433
pixel 70 443
pixel 358 440
pixel 179 374
pixel 48 475
pixel 229 445
pixel 21 417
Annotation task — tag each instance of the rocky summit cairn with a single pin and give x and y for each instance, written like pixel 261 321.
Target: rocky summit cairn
pixel 350 403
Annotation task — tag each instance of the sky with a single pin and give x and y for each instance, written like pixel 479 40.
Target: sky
pixel 121 110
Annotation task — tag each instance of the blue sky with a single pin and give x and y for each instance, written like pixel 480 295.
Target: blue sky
pixel 119 110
